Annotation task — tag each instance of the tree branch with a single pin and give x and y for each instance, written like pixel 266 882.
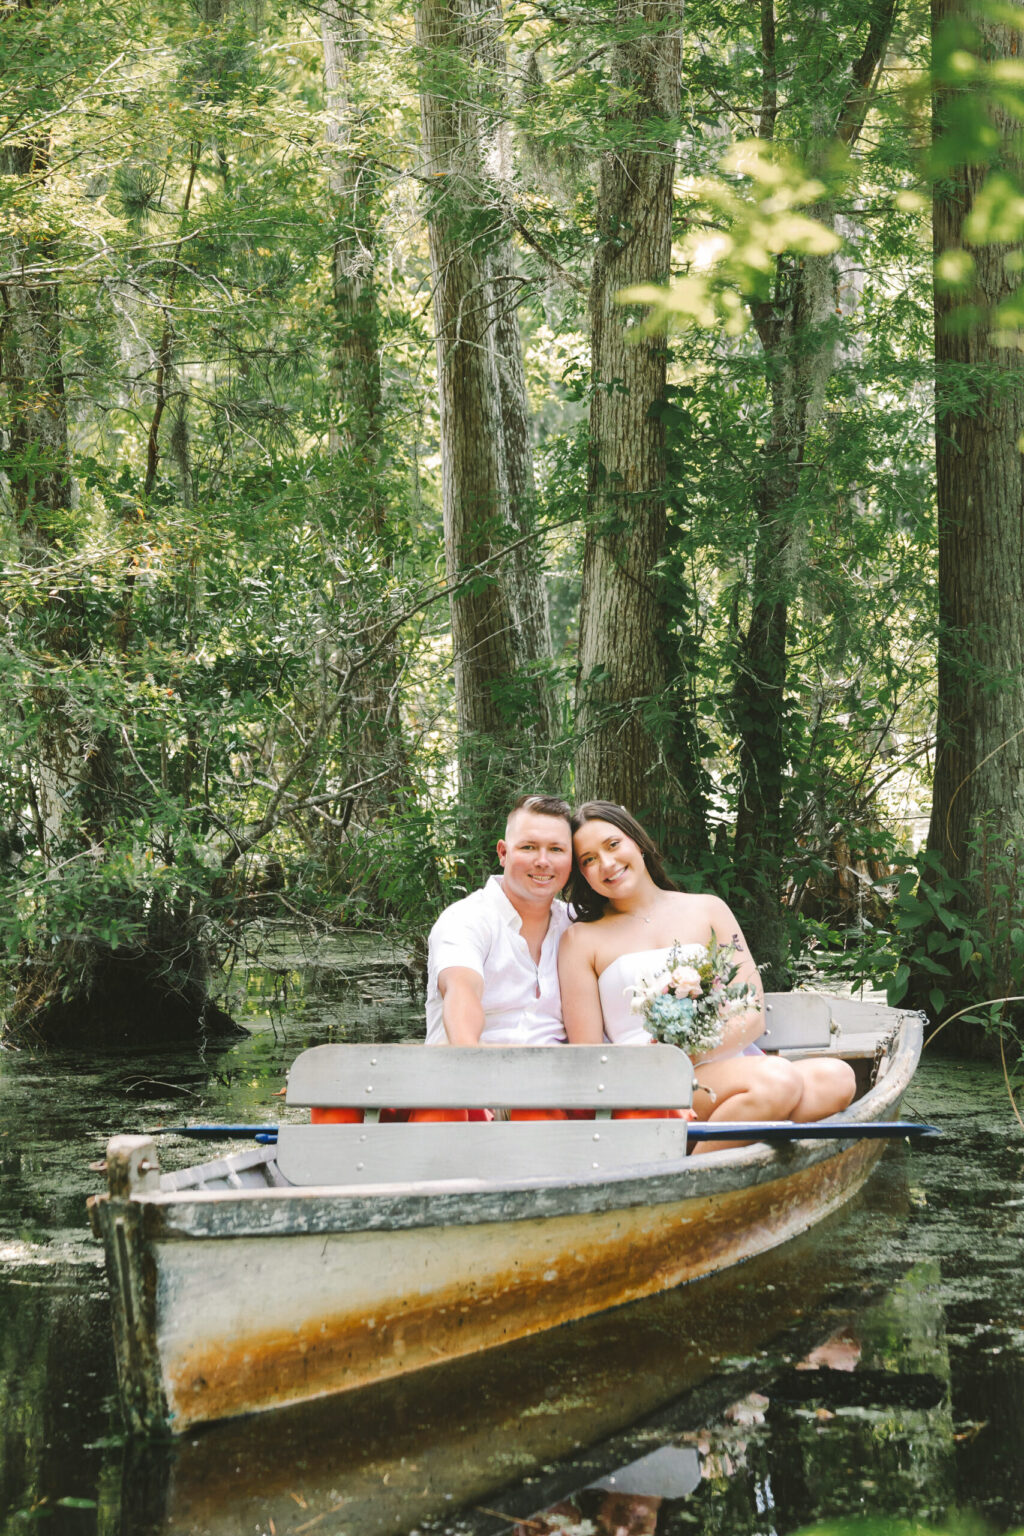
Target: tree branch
pixel 866 73
pixel 769 73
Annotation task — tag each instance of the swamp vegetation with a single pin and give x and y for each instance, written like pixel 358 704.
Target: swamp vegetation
pixel 870 1370
pixel 407 404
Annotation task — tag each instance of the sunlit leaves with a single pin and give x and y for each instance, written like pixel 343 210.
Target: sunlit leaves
pixel 997 214
pixel 756 203
pixel 976 163
pixel 954 268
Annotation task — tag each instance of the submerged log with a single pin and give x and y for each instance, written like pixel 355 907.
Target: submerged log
pixel 84 991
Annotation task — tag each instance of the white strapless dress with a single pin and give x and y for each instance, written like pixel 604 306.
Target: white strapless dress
pixel 616 983
pixel 615 986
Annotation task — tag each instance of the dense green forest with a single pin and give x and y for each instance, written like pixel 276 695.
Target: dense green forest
pixel 410 403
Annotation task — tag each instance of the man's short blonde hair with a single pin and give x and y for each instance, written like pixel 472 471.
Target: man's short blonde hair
pixel 539 805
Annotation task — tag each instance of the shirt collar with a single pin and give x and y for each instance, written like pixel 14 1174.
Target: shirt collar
pixel 500 901
pixel 557 917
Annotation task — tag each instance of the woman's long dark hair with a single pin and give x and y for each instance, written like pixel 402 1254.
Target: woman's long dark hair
pixel 587 906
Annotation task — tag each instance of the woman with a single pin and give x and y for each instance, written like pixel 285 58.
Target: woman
pixel 628 915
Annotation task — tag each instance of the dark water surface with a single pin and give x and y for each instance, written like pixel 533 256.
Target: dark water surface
pixel 873 1367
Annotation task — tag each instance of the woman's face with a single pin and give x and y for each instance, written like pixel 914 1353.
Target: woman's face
pixel 610 862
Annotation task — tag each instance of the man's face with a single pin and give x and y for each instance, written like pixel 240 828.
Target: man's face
pixel 536 857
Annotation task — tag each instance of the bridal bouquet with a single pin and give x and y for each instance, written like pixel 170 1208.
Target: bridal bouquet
pixel 691 999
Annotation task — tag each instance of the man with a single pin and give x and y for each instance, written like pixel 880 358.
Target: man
pixel 492 961
pixel 492 976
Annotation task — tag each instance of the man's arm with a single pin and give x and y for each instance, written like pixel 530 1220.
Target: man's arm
pixel 462 1005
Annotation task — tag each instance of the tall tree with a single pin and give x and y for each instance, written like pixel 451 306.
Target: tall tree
pixel 481 410
pixel 357 431
pixel 796 326
pixel 624 664
pixel 524 567
pixel 978 793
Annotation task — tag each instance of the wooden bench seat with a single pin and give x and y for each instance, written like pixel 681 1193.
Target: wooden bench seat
pixel 373 1077
pixel 811 1024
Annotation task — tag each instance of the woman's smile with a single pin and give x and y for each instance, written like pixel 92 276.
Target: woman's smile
pixel 607 857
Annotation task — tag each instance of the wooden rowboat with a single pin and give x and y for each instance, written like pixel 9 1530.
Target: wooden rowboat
pixel 343 1255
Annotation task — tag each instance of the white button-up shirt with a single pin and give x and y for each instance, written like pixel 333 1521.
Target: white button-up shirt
pixel 521 1001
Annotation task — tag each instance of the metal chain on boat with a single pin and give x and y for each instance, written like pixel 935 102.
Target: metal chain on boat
pixel 883 1051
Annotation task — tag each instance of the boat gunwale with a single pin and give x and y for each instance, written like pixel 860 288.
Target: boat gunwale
pixel 197 1213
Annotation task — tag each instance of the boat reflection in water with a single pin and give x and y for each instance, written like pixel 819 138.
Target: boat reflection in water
pixel 422 1447
pixel 863 1424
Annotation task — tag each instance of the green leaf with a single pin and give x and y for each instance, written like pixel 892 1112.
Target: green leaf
pixel 997 217
pixel 931 966
pixel 897 988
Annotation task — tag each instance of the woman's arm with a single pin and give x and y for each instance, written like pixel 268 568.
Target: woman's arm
pixel 727 930
pixel 577 982
pixel 746 1027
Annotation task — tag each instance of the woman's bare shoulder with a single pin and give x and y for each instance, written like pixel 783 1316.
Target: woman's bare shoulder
pixel 578 942
pixel 704 911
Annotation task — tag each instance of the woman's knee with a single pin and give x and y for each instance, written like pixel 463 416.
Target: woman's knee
pixel 766 1088
pixel 827 1087
pixel 780 1087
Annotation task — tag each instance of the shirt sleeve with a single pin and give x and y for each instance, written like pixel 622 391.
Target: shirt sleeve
pixel 459 937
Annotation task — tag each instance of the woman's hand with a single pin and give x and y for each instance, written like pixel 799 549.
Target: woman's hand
pixel 739 1031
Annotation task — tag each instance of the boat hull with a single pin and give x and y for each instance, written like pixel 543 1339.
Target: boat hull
pixel 229 1300
pixel 245 1324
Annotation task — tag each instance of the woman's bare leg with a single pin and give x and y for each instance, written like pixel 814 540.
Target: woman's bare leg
pixel 827 1087
pixel 746 1088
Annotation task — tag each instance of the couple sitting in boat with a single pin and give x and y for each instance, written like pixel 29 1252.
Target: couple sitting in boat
pixel 509 965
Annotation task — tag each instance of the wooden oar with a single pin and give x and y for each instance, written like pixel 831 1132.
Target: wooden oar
pixel 723 1130
pixel 217 1132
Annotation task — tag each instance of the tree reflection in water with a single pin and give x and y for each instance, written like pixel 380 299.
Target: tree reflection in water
pixel 862 1424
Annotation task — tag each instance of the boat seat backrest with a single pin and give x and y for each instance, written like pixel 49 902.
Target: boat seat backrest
pixel 369 1078
pixel 797 1021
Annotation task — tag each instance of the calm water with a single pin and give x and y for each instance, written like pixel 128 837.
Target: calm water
pixel 873 1367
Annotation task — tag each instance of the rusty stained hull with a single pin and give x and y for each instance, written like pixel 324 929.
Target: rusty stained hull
pixel 245 1324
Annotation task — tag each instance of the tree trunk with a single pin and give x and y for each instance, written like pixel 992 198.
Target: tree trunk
pixel 357 426
pixel 355 374
pixel 978 794
pixel 798 344
pixel 797 334
pixel 465 229
pixel 523 571
pixel 623 753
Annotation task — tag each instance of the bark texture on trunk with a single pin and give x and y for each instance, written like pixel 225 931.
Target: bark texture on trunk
pixel 482 410
pixel 523 571
pixel 357 424
pixel 623 666
pixel 798 342
pixel 32 374
pixel 356 375
pixel 979 768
